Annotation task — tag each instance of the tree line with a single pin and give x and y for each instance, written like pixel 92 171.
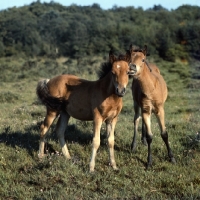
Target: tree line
pixel 52 29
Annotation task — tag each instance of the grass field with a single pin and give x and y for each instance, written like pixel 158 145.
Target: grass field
pixel 24 176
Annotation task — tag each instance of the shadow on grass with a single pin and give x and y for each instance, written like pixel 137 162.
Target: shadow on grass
pixel 29 138
pixel 16 139
pixel 191 142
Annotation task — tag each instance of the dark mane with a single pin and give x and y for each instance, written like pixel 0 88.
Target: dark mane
pixel 104 69
pixel 138 50
pixel 135 48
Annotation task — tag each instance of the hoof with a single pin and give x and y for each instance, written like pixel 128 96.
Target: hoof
pixel 91 168
pixel 149 166
pixel 149 162
pixel 91 171
pixel 144 142
pixel 133 148
pixel 172 160
pixel 116 168
pixel 41 155
pixel 68 158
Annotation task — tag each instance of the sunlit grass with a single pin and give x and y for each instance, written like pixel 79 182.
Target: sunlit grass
pixel 24 176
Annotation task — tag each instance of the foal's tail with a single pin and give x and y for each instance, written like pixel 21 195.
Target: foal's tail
pixel 42 91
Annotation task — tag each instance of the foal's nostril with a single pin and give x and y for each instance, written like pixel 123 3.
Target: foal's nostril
pixel 120 92
pixel 117 90
pixel 132 67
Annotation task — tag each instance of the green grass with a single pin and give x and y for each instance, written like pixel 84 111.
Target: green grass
pixel 24 176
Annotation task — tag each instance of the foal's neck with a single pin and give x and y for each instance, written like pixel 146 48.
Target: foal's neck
pixel 107 84
pixel 147 81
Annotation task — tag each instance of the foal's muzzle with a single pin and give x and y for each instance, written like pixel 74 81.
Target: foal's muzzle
pixel 120 91
pixel 133 69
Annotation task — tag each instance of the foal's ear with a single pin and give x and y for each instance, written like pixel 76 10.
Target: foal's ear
pixel 131 48
pixel 134 48
pixel 128 55
pixel 112 57
pixel 144 51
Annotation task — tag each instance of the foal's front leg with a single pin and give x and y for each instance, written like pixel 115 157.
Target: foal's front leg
pixel 147 121
pixel 96 140
pixel 110 128
pixel 136 124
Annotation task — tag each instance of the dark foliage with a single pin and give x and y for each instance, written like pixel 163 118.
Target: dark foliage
pixel 55 30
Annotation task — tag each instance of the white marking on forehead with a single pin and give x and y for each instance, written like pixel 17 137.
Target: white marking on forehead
pixel 118 66
pixel 135 55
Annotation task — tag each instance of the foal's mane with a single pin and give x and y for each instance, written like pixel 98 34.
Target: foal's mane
pixel 135 48
pixel 105 68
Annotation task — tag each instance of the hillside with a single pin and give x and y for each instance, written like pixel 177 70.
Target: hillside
pixel 52 29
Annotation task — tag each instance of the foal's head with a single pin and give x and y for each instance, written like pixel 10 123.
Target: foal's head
pixel 120 72
pixel 138 60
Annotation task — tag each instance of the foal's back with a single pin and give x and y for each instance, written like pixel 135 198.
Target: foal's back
pixel 63 85
pixel 76 93
pixel 160 92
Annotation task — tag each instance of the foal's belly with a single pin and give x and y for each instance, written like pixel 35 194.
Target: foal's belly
pixel 80 112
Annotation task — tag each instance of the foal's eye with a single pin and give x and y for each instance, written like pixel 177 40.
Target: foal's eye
pixel 143 60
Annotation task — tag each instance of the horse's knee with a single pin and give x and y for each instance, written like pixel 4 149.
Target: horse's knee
pixel 42 129
pixel 96 142
pixel 164 135
pixel 42 126
pixel 136 121
pixel 111 142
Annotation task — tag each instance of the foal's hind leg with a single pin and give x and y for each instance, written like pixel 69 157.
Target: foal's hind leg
pixel 60 130
pixel 136 124
pixel 50 116
pixel 164 134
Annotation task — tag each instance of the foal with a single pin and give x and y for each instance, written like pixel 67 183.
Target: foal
pixel 100 101
pixel 149 92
